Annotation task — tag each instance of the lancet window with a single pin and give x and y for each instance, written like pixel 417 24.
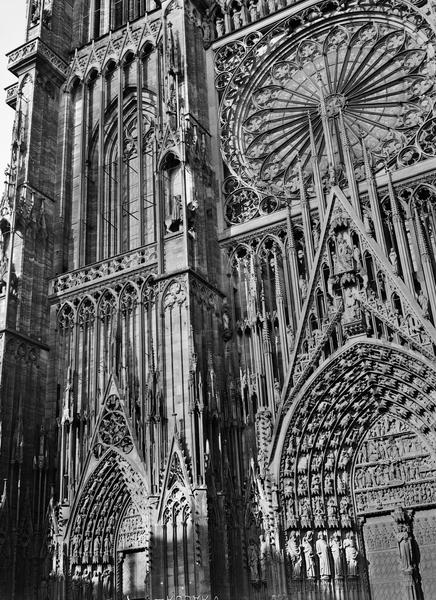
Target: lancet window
pixel 178 543
pixel 112 180
pixel 126 10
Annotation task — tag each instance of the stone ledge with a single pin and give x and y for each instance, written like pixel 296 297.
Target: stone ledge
pixel 29 52
pixel 104 270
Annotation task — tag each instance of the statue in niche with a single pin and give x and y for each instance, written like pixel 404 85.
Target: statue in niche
pixel 47 13
pixel 3 272
pixel 87 548
pixel 96 586
pixel 173 220
pixel 76 585
pixel 351 555
pixel 106 547
pixel 252 9
pixel 344 255
pixel 290 336
pixel 227 330
pixel 406 551
pixel 253 561
pixel 322 551
pixel 66 408
pixel 350 304
pixel 86 585
pixel 302 284
pixel 75 547
pixel 191 210
pixel 219 24
pixel 35 11
pixel 237 18
pixel 357 257
pixel 394 261
pixel 108 583
pixel 277 393
pixel 423 302
pixel 294 553
pixel 336 550
pixel 332 512
pixel 309 557
pixel 367 222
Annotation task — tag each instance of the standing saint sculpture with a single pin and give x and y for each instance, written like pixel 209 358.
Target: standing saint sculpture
pixel 322 551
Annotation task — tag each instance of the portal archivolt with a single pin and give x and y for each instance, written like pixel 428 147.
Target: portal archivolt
pixel 110 522
pixel 358 449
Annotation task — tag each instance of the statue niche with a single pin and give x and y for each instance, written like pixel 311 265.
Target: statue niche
pixel 172 191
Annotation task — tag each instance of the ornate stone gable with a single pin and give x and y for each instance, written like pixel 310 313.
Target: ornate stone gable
pixel 113 429
pixel 176 478
pixel 340 275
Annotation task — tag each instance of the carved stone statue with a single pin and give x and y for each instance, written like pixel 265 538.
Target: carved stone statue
pixel 406 551
pixel 309 555
pixel 336 550
pixel 394 261
pixel 423 302
pixel 108 583
pixel 35 11
pixel 86 585
pixel 344 255
pixel 76 586
pixel 3 272
pixel 302 283
pixel 322 551
pixel 351 555
pixel 277 393
pixel 96 586
pixel 219 24
pixel 294 553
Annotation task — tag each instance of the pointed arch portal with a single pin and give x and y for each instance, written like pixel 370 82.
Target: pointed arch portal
pixel 109 537
pixel 357 474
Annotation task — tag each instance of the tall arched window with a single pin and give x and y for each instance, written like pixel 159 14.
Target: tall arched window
pixel 126 10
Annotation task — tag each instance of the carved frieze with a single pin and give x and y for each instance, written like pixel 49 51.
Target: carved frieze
pixel 108 269
pixel 393 467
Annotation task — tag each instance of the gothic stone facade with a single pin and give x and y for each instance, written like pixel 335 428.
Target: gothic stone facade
pixel 218 302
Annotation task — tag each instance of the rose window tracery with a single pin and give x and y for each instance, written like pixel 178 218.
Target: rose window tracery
pixel 322 96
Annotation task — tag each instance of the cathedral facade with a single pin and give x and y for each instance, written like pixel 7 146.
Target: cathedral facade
pixel 218 302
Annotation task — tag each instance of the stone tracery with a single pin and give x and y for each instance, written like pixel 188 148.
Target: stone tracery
pixel 303 115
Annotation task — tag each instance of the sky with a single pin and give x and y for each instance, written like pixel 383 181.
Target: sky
pixel 12 31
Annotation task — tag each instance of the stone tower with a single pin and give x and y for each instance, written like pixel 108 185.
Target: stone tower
pixel 218 302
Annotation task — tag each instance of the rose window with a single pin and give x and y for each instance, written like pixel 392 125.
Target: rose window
pixel 324 95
